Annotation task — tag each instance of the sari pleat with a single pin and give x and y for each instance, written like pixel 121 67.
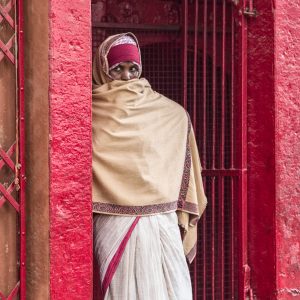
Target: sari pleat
pixel 153 264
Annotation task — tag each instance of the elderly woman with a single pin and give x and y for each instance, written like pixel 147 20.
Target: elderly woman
pixel 146 181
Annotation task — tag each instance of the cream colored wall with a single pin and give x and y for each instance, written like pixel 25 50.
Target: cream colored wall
pixel 37 139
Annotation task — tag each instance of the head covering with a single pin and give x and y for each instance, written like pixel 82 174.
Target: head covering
pixel 114 50
pixel 123 49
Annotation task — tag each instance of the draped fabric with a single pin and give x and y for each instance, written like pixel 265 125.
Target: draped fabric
pixel 145 157
pixel 152 265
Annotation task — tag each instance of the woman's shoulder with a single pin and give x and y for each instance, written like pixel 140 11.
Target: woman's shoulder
pixel 175 106
pixel 163 101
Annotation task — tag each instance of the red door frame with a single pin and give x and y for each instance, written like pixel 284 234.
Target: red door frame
pixel 18 147
pixel 258 250
pixel 21 142
pixel 241 93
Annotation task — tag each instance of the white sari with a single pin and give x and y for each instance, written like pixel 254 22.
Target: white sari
pixel 141 258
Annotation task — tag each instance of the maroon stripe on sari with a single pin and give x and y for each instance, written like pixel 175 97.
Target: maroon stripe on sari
pixel 113 265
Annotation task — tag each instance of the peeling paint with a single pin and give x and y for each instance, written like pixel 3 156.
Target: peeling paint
pixel 291 291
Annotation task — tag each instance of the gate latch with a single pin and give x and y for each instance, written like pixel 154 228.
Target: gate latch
pixel 248 293
pixel 250 11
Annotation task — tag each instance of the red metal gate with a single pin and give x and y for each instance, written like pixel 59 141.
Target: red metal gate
pixel 194 52
pixel 12 166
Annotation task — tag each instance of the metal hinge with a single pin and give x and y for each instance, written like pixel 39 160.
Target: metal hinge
pixel 249 10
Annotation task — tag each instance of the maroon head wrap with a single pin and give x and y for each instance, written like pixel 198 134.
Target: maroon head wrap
pixel 123 49
pixel 122 53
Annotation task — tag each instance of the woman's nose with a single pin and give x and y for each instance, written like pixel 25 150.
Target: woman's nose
pixel 125 75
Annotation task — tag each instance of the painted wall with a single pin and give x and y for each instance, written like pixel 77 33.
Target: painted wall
pixel 273 134
pixel 70 150
pixel 37 140
pixel 261 152
pixel 273 150
pixel 287 130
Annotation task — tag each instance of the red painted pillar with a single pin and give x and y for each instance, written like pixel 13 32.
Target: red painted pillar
pixel 273 150
pixel 287 114
pixel 261 152
pixel 70 150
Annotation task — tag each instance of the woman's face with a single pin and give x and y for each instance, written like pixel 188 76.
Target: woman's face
pixel 125 71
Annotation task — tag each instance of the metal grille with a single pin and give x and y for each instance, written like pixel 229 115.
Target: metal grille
pixel 197 60
pixel 12 168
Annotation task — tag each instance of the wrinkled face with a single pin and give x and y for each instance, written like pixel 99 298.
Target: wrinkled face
pixel 125 71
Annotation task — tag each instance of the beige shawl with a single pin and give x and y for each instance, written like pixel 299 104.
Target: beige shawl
pixel 145 158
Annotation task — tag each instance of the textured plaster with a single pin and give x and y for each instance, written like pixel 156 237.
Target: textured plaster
pixel 287 95
pixel 261 152
pixel 70 150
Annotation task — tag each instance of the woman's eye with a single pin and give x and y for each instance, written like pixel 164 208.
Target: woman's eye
pixel 133 69
pixel 117 69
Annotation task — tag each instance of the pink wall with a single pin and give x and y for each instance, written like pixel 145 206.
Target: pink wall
pixel 287 130
pixel 70 150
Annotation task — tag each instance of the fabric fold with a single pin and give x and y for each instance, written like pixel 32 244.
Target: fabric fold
pixel 113 265
pixel 145 157
pixel 152 265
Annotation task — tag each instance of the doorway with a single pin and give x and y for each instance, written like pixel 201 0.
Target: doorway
pixel 193 53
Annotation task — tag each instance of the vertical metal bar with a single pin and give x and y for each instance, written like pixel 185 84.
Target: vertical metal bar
pixel 204 120
pixel 204 58
pixel 204 251
pixel 223 85
pixel 195 279
pixel 213 226
pixel 195 69
pixel 251 5
pixel 213 200
pixel 232 282
pixel 196 7
pixel 242 150
pixel 232 89
pixel 214 62
pixel 232 150
pixel 21 159
pixel 184 51
pixel 220 255
pixel 221 151
pixel 232 232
